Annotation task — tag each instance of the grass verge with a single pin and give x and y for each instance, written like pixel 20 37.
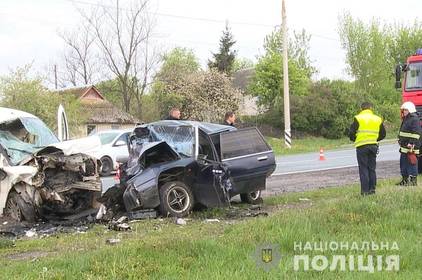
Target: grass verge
pixel 163 250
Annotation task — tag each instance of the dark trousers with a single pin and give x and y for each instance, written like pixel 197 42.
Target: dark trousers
pixel 367 160
pixel 406 168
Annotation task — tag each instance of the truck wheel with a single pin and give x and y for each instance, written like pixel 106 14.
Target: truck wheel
pixel 18 209
pixel 252 197
pixel 106 166
pixel 176 199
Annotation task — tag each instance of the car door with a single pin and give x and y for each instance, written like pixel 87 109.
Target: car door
pixel 120 146
pixel 248 157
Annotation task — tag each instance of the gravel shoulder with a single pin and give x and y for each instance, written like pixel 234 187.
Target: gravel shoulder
pixel 305 181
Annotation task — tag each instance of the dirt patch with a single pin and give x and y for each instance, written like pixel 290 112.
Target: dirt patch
pixel 32 255
pixel 300 182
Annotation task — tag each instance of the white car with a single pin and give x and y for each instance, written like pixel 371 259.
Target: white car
pixel 41 177
pixel 113 145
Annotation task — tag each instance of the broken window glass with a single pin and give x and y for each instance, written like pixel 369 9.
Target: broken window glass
pixel 180 138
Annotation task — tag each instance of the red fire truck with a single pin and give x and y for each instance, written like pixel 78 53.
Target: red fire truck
pixel 412 82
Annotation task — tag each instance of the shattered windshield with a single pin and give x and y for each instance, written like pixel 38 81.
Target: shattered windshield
pixel 180 138
pixel 22 137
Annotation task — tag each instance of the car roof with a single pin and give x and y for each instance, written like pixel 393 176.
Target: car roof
pixel 7 114
pixel 208 128
pixel 114 131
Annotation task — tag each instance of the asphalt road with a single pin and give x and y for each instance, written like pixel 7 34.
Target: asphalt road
pixel 333 159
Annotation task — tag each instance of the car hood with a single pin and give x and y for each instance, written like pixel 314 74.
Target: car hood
pixel 71 147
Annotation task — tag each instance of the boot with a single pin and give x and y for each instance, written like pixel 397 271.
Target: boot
pixel 413 180
pixel 404 181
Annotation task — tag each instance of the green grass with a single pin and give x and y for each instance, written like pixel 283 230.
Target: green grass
pixel 163 250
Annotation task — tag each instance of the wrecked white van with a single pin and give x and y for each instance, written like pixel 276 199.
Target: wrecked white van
pixel 40 177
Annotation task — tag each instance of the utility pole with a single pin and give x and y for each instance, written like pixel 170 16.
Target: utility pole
pixel 55 76
pixel 287 133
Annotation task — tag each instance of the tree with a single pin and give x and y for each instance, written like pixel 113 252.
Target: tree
pixel 123 38
pixel 267 83
pixel 204 96
pixel 224 59
pixel 79 59
pixel 241 64
pixel 18 91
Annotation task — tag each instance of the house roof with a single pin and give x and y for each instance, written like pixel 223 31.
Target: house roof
pixel 81 92
pixel 98 109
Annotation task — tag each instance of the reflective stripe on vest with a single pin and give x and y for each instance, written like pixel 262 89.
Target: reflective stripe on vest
pixel 369 127
pixel 409 135
pixel 406 150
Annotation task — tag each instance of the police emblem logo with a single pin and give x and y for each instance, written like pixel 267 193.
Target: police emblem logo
pixel 267 256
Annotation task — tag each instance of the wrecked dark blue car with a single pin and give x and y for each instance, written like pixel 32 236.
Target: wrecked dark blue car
pixel 175 165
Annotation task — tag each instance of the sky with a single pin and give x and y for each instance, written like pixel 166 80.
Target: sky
pixel 28 28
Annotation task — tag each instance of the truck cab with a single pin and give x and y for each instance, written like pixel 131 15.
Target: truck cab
pixel 412 82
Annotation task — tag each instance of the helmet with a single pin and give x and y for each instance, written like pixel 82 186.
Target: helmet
pixel 409 106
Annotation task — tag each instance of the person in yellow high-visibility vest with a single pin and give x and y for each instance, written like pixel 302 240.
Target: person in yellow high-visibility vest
pixel 366 131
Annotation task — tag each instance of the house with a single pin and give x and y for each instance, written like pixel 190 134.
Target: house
pixel 248 104
pixel 101 114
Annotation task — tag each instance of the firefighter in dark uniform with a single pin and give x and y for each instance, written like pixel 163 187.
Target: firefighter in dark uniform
pixel 409 141
pixel 366 131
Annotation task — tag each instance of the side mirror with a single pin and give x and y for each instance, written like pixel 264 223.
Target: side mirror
pixel 122 159
pixel 3 175
pixel 120 143
pixel 398 76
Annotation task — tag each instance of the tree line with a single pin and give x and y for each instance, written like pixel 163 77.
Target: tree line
pixel 113 49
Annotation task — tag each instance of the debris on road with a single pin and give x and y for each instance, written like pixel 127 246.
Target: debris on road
pixel 142 214
pixel 212 221
pixel 31 233
pixel 180 222
pixel 113 241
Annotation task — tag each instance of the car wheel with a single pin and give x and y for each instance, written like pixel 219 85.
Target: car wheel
pixel 18 209
pixel 106 166
pixel 252 197
pixel 176 199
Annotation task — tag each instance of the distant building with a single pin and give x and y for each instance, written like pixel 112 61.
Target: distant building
pixel 102 115
pixel 248 104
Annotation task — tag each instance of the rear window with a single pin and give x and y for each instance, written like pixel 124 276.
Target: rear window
pixel 241 143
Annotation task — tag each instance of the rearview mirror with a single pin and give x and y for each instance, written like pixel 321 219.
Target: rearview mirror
pixel 122 159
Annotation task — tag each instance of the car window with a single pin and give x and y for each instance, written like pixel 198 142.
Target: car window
pixel 205 147
pixel 241 143
pixel 107 137
pixel 123 137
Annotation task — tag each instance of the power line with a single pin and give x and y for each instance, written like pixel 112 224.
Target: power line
pixel 200 18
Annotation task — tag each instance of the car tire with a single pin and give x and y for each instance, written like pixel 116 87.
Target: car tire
pixel 18 209
pixel 106 166
pixel 252 197
pixel 176 199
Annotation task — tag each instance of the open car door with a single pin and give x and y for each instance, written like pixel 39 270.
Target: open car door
pixel 62 125
pixel 248 157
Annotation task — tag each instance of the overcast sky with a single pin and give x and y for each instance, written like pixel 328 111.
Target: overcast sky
pixel 28 31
